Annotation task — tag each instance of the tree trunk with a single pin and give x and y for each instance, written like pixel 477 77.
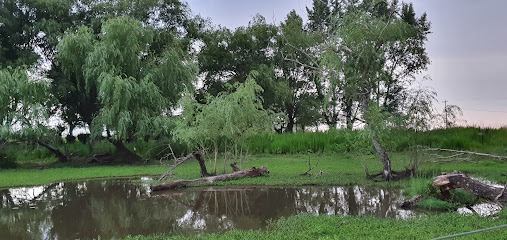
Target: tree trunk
pixel 290 119
pixel 254 172
pixel 61 156
pixel 204 171
pixel 387 173
pixel 449 181
pixel 216 156
pixel 123 153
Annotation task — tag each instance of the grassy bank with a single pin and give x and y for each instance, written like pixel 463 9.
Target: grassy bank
pixel 28 177
pixel 337 169
pixel 343 227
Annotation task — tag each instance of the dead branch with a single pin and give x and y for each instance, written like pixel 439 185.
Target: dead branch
pixel 468 152
pixel 501 193
pixel 310 168
pixel 179 161
pixel 234 167
pixel 253 172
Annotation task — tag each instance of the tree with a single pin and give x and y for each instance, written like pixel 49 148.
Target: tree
pixel 26 110
pixel 449 116
pixel 225 118
pixel 374 52
pixel 16 34
pixel 136 88
pixel 230 56
pixel 295 67
pixel 41 24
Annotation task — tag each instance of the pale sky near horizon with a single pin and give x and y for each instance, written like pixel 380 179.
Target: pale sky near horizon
pixel 467 47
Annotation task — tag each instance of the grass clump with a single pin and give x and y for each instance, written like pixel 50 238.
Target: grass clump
pixel 432 203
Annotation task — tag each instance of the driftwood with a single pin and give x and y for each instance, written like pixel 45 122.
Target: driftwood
pixel 468 152
pixel 179 161
pixel 449 181
pixel 253 172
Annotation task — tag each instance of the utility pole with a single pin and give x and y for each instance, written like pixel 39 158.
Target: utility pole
pixel 445 112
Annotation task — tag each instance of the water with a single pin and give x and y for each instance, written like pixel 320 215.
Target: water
pixel 117 208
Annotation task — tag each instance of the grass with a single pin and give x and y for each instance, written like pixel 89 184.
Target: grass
pixel 26 177
pixel 337 169
pixel 346 227
pixel 341 141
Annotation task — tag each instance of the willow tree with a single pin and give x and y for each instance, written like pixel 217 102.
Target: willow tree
pixel 26 110
pixel 137 89
pixel 226 118
pixel 373 54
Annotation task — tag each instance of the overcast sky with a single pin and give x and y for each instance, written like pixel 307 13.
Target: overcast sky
pixel 467 47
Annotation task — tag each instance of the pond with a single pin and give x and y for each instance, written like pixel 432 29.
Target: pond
pixel 119 207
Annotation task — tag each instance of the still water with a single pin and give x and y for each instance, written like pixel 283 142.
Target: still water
pixel 117 208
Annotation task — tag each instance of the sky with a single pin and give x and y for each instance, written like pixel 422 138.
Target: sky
pixel 467 48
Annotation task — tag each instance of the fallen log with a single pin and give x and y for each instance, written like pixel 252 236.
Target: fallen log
pixel 468 152
pixel 449 181
pixel 253 172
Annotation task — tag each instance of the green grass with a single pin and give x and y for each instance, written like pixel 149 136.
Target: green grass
pixel 343 227
pixel 26 177
pixel 337 169
pixel 341 141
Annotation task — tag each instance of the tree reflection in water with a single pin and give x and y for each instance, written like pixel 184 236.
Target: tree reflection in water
pixel 117 208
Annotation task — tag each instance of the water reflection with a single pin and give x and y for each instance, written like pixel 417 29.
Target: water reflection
pixel 117 208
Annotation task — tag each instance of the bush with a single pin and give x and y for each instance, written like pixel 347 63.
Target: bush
pixel 7 161
pixel 83 138
pixel 70 138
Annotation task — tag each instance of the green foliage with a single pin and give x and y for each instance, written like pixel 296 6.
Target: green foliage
pixel 83 137
pixel 232 117
pixel 7 161
pixel 136 87
pixel 372 54
pixel 26 107
pixel 433 203
pixel 335 141
pixel 421 186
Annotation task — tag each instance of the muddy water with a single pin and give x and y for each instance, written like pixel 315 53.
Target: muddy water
pixel 117 208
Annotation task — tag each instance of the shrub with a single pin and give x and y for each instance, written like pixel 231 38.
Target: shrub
pixel 7 161
pixel 83 138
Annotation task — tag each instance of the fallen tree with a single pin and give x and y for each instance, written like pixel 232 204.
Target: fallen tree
pixel 253 172
pixel 449 181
